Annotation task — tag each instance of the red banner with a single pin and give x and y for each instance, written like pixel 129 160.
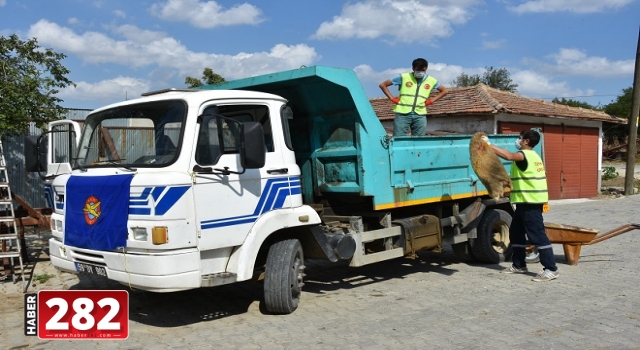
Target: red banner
pixel 77 314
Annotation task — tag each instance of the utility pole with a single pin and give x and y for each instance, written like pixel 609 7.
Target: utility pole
pixel 633 125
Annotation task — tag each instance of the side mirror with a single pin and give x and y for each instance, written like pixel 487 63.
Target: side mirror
pixel 35 154
pixel 253 150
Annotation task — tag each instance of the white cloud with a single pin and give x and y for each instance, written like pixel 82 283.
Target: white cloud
pixel 367 74
pixel 530 83
pixel 93 47
pixel 492 45
pixel 579 6
pixel 73 20
pixel 106 91
pixel 207 14
pixel 3 2
pixel 144 48
pixel 139 36
pixel 403 20
pixel 570 61
pixel 444 73
pixel 120 13
pixel 534 84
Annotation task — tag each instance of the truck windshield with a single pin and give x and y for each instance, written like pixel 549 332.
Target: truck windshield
pixel 140 135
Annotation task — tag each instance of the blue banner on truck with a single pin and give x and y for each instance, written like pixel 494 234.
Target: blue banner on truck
pixel 96 211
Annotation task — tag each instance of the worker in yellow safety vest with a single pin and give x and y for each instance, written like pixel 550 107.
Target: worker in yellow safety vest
pixel 529 193
pixel 411 106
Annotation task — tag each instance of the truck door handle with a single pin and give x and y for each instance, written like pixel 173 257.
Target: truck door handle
pixel 278 171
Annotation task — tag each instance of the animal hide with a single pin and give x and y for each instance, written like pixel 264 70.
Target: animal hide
pixel 488 167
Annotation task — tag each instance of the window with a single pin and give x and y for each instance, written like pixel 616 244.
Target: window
pixel 286 114
pixel 139 135
pixel 217 137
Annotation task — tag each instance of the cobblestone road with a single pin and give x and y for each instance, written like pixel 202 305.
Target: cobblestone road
pixel 433 302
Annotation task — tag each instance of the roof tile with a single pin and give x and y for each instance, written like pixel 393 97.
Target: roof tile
pixel 482 99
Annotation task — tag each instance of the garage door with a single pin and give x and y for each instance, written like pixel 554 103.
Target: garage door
pixel 571 158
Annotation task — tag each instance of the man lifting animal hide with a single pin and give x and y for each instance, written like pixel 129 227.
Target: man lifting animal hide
pixel 488 166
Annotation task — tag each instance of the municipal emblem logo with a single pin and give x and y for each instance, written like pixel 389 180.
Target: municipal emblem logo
pixel 427 86
pixel 92 210
pixel 409 84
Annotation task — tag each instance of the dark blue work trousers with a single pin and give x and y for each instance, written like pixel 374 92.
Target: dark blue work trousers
pixel 528 223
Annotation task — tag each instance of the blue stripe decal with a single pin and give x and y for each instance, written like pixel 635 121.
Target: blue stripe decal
pixel 157 192
pixel 237 222
pixel 48 195
pixel 59 204
pixel 281 197
pixel 169 199
pixel 273 196
pixel 156 200
pixel 139 211
pixel 144 195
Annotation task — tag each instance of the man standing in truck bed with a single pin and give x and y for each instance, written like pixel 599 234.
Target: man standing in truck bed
pixel 411 107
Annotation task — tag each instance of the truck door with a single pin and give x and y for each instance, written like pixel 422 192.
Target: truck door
pixel 61 145
pixel 230 199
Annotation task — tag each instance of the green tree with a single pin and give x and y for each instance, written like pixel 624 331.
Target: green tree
pixel 496 78
pixel 620 108
pixel 572 103
pixel 30 77
pixel 466 80
pixel 208 78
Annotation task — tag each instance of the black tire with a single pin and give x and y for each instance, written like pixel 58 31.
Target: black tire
pixel 283 276
pixel 492 244
pixel 463 252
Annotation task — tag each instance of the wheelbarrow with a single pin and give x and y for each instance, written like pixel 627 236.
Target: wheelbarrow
pixel 573 238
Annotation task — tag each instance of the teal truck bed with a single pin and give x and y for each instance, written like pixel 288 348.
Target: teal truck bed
pixel 344 151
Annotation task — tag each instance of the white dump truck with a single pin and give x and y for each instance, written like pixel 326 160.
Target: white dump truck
pixel 184 189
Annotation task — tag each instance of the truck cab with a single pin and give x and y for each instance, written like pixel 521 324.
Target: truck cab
pixel 161 191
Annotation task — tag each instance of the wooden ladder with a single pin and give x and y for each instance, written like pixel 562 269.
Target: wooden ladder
pixel 9 239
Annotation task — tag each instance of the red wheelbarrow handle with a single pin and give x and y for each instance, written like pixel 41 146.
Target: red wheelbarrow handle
pixel 615 232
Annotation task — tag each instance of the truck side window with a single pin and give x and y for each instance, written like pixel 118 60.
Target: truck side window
pixel 62 137
pixel 213 143
pixel 207 146
pixel 286 115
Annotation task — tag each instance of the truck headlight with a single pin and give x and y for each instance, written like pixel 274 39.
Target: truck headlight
pixel 139 233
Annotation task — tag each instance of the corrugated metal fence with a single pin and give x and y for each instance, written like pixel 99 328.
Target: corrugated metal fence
pixel 29 186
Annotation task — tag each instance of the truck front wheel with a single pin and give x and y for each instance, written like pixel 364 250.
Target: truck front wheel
pixel 283 276
pixel 492 244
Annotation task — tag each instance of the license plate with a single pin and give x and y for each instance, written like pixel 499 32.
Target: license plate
pixel 91 269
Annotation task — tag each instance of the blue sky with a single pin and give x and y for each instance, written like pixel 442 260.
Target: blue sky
pixel 579 49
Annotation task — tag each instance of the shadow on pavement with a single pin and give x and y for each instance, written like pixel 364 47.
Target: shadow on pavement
pixel 324 277
pixel 182 308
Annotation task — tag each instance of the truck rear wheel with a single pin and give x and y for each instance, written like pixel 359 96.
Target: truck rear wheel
pixel 283 276
pixel 492 244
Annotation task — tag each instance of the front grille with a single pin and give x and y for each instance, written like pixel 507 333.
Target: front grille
pixel 88 258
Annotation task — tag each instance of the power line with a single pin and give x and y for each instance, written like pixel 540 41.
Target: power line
pixel 551 98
